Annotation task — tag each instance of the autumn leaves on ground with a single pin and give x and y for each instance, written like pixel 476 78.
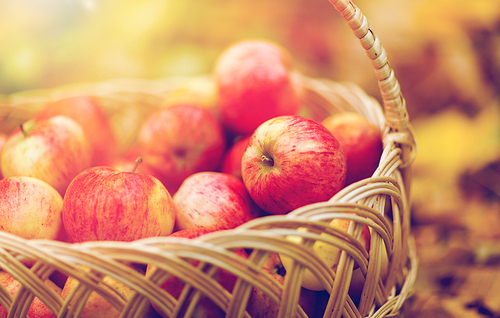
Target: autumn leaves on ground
pixel 455 111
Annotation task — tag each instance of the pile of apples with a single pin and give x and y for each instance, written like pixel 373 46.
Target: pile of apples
pixel 192 170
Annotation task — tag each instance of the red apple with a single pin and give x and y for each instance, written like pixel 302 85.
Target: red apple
pixel 292 161
pixel 54 150
pixel 329 253
pixel 37 309
pixel 361 141
pixel 30 208
pixel 181 140
pixel 256 81
pixel 213 199
pixel 261 305
pixel 192 232
pixel 102 203
pixel 174 285
pixel 86 111
pixel 3 137
pixel 231 162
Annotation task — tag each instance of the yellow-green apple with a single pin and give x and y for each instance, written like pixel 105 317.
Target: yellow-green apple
pixel 37 309
pixel 3 137
pixel 261 305
pixel 292 161
pixel 361 141
pixel 231 162
pixel 174 285
pixel 180 140
pixel 328 253
pixel 54 150
pixel 103 204
pixel 213 199
pixel 96 305
pixel 30 208
pixel 256 80
pixel 88 112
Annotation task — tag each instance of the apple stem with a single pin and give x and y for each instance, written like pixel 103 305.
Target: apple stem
pixel 137 162
pixel 22 130
pixel 267 160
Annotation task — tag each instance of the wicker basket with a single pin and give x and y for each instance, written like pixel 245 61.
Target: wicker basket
pixel 381 202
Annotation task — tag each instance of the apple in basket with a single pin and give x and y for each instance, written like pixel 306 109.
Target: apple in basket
pixel 358 279
pixel 256 81
pixel 54 150
pixel 261 305
pixel 3 137
pixel 97 306
pixel 231 162
pixel 180 140
pixel 292 161
pixel 174 285
pixel 329 253
pixel 215 200
pixel 361 141
pixel 88 112
pixel 37 309
pixel 30 208
pixel 102 203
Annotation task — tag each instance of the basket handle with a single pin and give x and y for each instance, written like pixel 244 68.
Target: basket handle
pixel 397 119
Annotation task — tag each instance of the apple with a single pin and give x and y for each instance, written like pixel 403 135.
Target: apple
pixel 174 285
pixel 54 150
pixel 330 254
pixel 358 279
pixel 180 140
pixel 30 208
pixel 256 81
pixel 102 203
pixel 3 137
pixel 213 199
pixel 197 90
pixel 231 162
pixel 361 141
pixel 292 161
pixel 96 305
pixel 261 305
pixel 87 111
pixel 37 309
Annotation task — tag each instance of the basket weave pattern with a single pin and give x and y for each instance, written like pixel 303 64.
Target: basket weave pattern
pixel 380 202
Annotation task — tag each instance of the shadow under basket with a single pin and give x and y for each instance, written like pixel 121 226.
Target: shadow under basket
pixel 364 284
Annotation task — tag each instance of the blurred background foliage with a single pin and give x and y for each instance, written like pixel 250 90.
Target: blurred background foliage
pixel 443 51
pixel 446 55
pixel 49 43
